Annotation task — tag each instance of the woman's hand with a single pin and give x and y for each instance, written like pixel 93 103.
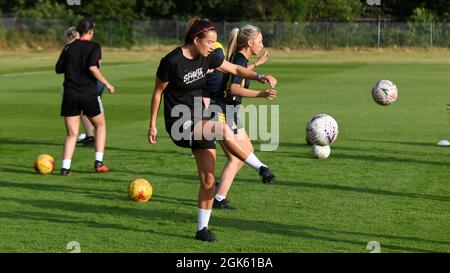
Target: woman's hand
pixel 111 89
pixel 262 59
pixel 267 79
pixel 269 94
pixel 153 135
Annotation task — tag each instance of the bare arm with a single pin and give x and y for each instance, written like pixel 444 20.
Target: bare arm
pixel 154 108
pixel 237 90
pixel 98 75
pixel 227 67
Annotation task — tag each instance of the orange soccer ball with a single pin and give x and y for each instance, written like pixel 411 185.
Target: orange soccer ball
pixel 140 190
pixel 44 164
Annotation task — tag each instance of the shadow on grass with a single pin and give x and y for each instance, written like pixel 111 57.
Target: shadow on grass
pixel 186 178
pixel 308 232
pixel 193 179
pixel 336 187
pixel 371 158
pixel 294 231
pixel 17 141
pixel 409 143
pixel 149 149
pixel 70 220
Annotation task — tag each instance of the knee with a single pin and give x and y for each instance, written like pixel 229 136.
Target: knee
pixel 99 125
pixel 235 162
pixel 207 181
pixel 72 132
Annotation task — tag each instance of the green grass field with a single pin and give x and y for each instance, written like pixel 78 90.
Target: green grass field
pixel 385 181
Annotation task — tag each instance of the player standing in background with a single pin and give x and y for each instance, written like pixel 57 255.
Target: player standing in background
pixel 79 61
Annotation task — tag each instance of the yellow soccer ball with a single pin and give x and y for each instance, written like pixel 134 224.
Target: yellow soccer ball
pixel 44 164
pixel 140 190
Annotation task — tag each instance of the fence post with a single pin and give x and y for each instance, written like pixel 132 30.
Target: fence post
pixel 431 34
pixel 327 25
pixel 379 33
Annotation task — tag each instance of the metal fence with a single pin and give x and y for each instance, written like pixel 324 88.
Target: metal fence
pixel 276 34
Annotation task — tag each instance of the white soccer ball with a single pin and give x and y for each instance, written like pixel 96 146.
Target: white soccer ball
pixel 384 92
pixel 82 136
pixel 321 130
pixel 321 152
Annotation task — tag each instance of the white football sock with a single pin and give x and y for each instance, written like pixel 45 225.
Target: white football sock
pixel 220 197
pixel 66 163
pixel 254 162
pixel 203 218
pixel 99 156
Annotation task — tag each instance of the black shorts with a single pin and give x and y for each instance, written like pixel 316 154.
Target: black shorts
pixel 228 114
pixel 74 103
pixel 183 135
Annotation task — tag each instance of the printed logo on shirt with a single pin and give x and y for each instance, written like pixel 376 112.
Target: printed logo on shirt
pixel 193 76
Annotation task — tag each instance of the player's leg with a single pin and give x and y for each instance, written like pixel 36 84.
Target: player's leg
pixel 72 124
pixel 230 170
pixel 89 129
pixel 93 108
pixel 219 130
pixel 206 162
pixel 99 124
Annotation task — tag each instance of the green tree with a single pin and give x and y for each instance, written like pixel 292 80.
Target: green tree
pixel 334 10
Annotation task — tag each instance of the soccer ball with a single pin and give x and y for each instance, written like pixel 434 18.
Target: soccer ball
pixel 321 130
pixel 321 152
pixel 384 92
pixel 44 164
pixel 140 190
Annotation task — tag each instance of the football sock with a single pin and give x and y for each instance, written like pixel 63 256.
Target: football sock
pixel 99 156
pixel 220 197
pixel 66 163
pixel 254 162
pixel 203 218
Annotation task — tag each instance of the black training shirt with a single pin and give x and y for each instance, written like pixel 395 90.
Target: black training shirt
pixel 74 62
pixel 186 78
pixel 238 59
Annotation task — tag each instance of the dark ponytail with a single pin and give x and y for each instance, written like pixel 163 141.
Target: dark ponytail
pixel 85 25
pixel 197 27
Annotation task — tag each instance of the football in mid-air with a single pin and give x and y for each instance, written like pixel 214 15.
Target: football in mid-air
pixel 140 190
pixel 321 152
pixel 384 92
pixel 322 130
pixel 44 164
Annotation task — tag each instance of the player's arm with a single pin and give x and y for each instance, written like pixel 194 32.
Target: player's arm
pixel 99 76
pixel 238 90
pixel 59 67
pixel 154 108
pixel 246 73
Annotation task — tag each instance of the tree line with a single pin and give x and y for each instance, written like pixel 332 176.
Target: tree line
pixel 231 10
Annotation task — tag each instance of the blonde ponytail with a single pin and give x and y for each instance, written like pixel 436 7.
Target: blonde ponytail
pixel 232 43
pixel 239 38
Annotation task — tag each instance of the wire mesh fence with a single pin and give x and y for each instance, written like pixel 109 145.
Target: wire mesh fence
pixel 115 33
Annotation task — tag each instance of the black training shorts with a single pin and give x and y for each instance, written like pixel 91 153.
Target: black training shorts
pixel 187 140
pixel 73 103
